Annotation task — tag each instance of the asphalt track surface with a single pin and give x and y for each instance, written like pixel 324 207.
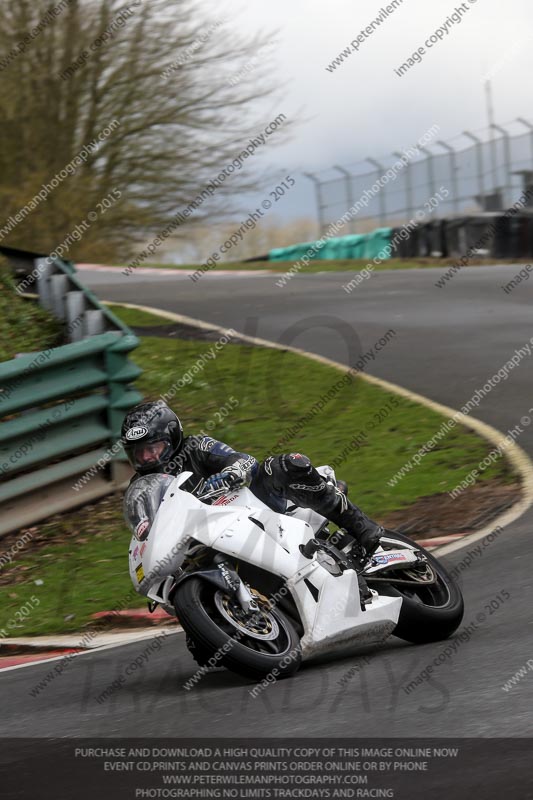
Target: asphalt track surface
pixel 447 343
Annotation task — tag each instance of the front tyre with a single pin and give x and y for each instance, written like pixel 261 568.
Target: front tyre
pixel 431 612
pixel 256 645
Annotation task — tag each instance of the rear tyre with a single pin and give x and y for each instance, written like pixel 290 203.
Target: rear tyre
pixel 255 645
pixel 429 613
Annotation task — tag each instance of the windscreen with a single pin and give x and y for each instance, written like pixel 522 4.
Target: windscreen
pixel 142 500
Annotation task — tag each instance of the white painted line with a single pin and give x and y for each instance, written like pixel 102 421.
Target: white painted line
pixel 174 273
pixel 72 640
pixel 93 651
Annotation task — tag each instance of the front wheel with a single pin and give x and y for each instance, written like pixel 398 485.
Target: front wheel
pixel 256 645
pixel 430 611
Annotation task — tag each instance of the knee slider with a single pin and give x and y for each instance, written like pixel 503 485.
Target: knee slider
pixel 295 464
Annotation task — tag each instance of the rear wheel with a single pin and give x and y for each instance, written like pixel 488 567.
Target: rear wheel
pixel 255 644
pixel 432 607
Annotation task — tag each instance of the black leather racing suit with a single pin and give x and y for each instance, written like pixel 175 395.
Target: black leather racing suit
pixel 277 481
pixel 204 456
pixel 291 477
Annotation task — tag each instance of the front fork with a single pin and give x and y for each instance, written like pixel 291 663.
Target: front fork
pixel 225 578
pixel 235 584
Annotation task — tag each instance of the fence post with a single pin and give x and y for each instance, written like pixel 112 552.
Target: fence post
pixel 431 171
pixel 76 305
pixel 45 270
pixel 58 293
pixel 529 126
pixel 479 157
pixel 382 198
pixel 349 196
pixel 408 185
pixel 320 206
pixel 95 322
pixel 508 186
pixel 453 168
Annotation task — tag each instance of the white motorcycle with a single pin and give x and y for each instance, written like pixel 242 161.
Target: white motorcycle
pixel 258 592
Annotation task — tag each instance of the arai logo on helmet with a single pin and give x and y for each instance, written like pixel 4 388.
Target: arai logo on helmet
pixel 136 433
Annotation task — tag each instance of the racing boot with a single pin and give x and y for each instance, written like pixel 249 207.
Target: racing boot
pixel 350 518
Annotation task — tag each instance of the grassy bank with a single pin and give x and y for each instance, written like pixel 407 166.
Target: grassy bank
pixel 251 398
pixel 24 326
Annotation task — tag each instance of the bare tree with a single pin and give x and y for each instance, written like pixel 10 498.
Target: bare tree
pixel 145 92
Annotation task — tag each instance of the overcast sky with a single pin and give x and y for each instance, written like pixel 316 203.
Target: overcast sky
pixel 363 108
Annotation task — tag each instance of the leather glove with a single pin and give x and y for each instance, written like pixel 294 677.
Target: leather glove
pixel 214 483
pixel 228 478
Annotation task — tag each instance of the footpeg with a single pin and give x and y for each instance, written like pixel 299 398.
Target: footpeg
pixel 342 559
pixel 309 548
pixel 365 593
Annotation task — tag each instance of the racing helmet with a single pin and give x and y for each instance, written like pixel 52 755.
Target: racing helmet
pixel 152 436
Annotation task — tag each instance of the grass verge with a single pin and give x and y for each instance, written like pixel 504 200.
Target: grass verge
pixel 24 325
pixel 81 558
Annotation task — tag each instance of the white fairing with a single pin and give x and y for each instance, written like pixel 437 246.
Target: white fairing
pixel 329 606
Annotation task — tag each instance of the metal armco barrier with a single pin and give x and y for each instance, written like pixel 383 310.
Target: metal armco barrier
pixel 61 409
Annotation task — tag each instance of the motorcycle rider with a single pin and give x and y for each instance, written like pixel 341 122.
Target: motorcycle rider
pixel 153 439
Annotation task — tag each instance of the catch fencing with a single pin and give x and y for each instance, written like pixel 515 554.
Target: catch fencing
pixel 483 171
